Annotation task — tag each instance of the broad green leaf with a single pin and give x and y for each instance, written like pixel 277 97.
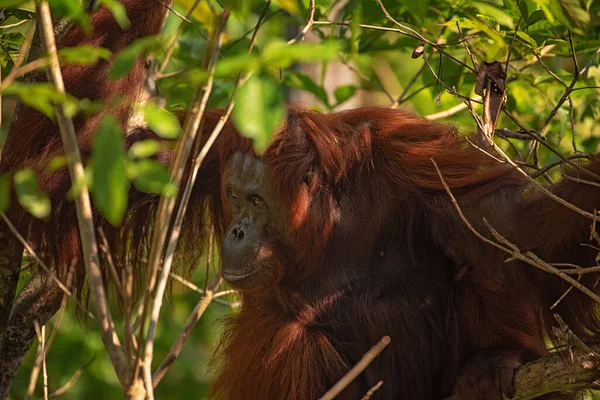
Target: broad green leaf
pixel 240 7
pixel 527 39
pixel 150 176
pixel 291 6
pixel 126 60
pixel 277 52
pixel 83 54
pixel 43 97
pixel 4 192
pixel 56 163
pixel 344 92
pixel 162 122
pixel 110 186
pixel 356 7
pixel 29 195
pixel 517 9
pixel 201 12
pixel 572 10
pixel 118 12
pixel 490 10
pixel 71 9
pixel 259 110
pixel 472 22
pixel 535 16
pixel 302 81
pixel 12 3
pixel 144 148
pixel 418 8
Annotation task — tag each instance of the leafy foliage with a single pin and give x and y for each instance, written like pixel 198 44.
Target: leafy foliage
pixel 354 54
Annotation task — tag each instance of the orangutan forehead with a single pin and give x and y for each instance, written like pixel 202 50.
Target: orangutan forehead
pixel 246 169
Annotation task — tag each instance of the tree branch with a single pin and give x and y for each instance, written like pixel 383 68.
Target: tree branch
pixel 564 371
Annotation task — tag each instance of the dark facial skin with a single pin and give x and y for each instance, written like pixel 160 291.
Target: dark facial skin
pixel 252 243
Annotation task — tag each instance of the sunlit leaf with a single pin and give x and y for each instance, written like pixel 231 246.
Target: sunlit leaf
pixel 291 6
pixel 118 12
pixel 110 186
pixel 152 177
pixel 202 12
pixel 43 97
pixel 83 54
pixel 29 195
pixel 302 81
pixel 277 52
pixel 259 110
pixel 161 121
pixel 71 9
pixel 344 92
pixel 126 60
pixel 144 148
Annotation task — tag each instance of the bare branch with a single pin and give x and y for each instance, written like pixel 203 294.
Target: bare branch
pixel 362 364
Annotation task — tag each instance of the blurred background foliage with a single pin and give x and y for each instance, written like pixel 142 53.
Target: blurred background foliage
pixel 419 56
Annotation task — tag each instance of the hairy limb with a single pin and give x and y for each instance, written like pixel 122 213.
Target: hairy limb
pixel 488 376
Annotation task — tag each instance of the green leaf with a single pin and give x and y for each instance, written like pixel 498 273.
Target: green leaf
pixel 126 60
pixel 43 97
pixel 490 10
pixel 12 3
pixel 144 148
pixel 527 39
pixel 418 8
pixel 83 54
pixel 56 163
pixel 28 193
pixel 71 9
pixel 344 92
pixel 259 110
pixel 118 12
pixel 4 192
pixel 109 183
pixel 278 52
pixel 535 16
pixel 161 121
pixel 291 6
pixel 302 81
pixel 356 7
pixel 475 23
pixel 152 177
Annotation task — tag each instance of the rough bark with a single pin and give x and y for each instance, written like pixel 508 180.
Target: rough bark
pixel 10 264
pixel 38 301
pixel 564 371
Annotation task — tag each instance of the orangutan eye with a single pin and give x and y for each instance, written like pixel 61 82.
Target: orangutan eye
pixel 234 195
pixel 257 201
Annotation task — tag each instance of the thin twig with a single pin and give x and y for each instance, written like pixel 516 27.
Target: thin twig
pixel 41 335
pixel 351 375
pixel 509 248
pixel 573 338
pixel 194 317
pixel 447 113
pixel 567 92
pixel 372 391
pixel 309 23
pixel 43 265
pixel 71 382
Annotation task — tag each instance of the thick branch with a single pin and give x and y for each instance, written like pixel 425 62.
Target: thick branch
pixel 564 371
